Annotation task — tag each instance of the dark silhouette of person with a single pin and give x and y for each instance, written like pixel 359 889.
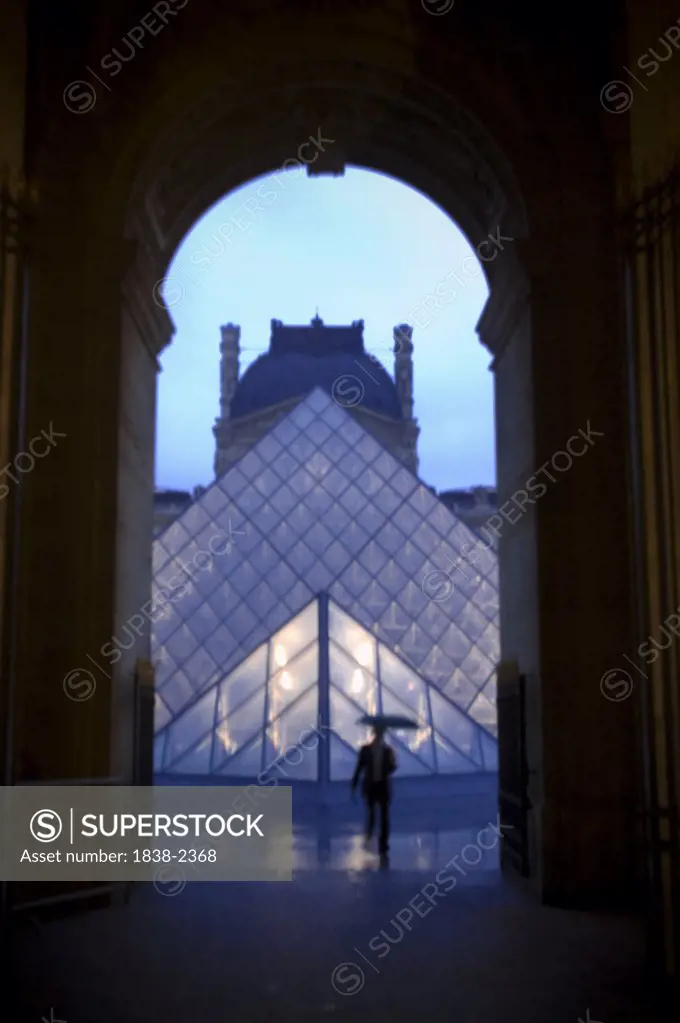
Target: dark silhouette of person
pixel 377 762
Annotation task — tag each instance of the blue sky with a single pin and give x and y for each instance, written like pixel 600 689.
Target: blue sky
pixel 359 247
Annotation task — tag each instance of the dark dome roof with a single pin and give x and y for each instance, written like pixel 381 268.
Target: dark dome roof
pixel 272 379
pixel 302 358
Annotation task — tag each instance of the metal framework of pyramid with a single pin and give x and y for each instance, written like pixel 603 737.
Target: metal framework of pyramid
pixel 317 508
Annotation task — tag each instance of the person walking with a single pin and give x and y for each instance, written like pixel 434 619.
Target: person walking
pixel 377 762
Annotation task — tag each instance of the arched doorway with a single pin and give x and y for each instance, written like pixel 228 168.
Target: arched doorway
pixel 178 133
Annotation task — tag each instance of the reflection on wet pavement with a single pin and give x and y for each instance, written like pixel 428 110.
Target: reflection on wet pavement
pixel 314 849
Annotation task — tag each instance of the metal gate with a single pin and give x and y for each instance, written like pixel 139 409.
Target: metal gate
pixel 513 772
pixel 651 248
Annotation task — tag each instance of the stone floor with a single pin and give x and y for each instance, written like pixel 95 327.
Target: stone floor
pixel 343 941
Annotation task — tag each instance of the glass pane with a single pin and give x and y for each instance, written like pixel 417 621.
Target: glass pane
pixel 261 600
pixel 336 558
pixel 247 763
pixel 243 681
pixel 295 636
pixel 370 482
pixel 251 464
pixel 194 725
pixel 415 645
pixel 352 465
pixel 490 753
pixel 490 643
pixel 335 482
pixel 269 448
pixel 373 519
pixel 388 501
pixel 318 538
pixel 477 667
pixel 159 556
pixel 241 621
pixel 404 684
pixel 417 740
pixel 203 622
pixel 302 449
pixel 197 761
pixel 175 538
pixel 298 764
pixel 460 689
pixel 437 668
pixel 343 720
pixel 489 689
pixel 375 600
pixel 408 765
pixel 181 644
pixel 472 621
pixel 288 730
pixel 355 579
pixel 455 644
pixel 237 727
pixel 386 465
pixel 483 711
pixel 422 501
pixel 319 578
pixel 301 482
pixel 201 669
pixel 403 482
pixel 354 537
pixel 449 760
pixel 223 600
pixel 367 447
pixel 301 558
pixel 221 645
pixel 298 596
pixel 292 680
pixel 352 637
pixel 320 502
pixel 177 692
pixel 267 483
pixel 161 713
pixel 433 620
pixel 412 598
pixel 343 759
pixel 283 537
pixel 318 401
pixel 391 538
pixel 455 726
pixel 408 521
pixel 394 623
pixel 355 681
pixel 158 750
pixel 264 557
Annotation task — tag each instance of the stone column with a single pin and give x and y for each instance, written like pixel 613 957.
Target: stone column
pixel 229 373
pixel 403 367
pixel 565 596
pixel 229 367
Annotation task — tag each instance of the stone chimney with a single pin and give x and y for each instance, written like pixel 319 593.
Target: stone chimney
pixel 229 367
pixel 403 367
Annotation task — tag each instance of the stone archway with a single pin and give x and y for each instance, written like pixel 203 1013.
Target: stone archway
pixel 180 131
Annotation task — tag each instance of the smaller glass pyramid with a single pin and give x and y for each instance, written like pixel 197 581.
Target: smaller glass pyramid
pixel 297 699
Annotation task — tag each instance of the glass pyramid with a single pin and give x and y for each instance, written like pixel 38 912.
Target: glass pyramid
pixel 318 506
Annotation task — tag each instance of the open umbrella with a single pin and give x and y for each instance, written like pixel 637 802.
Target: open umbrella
pixel 387 721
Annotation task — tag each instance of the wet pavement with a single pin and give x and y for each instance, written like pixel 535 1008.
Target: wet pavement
pixel 350 938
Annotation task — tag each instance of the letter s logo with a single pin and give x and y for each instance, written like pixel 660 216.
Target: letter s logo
pixel 45 825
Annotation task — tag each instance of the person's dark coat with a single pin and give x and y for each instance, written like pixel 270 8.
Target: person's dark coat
pixel 366 767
